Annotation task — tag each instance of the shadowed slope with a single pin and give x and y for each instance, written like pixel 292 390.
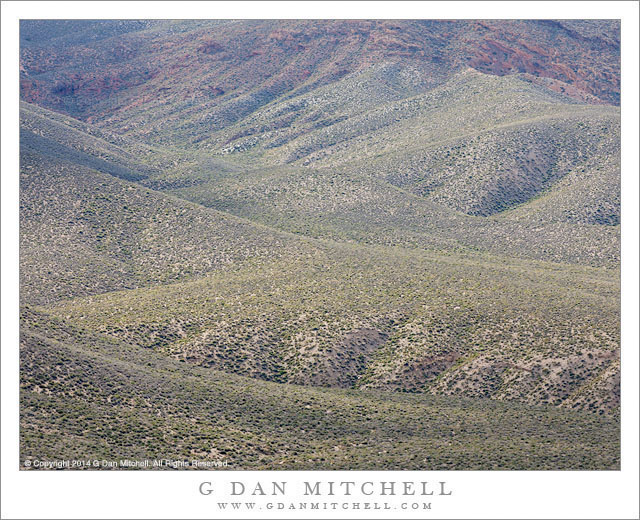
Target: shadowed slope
pixel 86 230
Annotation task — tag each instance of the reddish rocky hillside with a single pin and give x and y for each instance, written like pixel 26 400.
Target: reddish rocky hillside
pixel 92 70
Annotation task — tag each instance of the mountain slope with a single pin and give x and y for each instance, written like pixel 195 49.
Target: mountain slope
pixel 225 69
pixel 477 145
pixel 354 316
pixel 321 244
pixel 445 319
pixel 115 402
pixel 86 229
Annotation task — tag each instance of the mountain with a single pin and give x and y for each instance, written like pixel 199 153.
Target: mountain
pixel 227 68
pixel 336 213
pixel 412 172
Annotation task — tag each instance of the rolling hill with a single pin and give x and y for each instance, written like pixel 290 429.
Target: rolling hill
pixel 85 394
pixel 374 232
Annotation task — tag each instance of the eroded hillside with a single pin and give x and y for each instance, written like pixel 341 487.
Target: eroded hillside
pixel 305 221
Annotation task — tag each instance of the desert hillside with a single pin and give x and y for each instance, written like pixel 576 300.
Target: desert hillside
pixel 322 244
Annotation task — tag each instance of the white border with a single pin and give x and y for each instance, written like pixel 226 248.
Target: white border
pixel 174 495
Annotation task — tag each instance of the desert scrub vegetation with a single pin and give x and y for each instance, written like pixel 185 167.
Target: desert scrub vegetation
pixel 86 232
pixel 476 145
pixel 211 289
pixel 83 393
pixel 308 244
pixel 350 315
